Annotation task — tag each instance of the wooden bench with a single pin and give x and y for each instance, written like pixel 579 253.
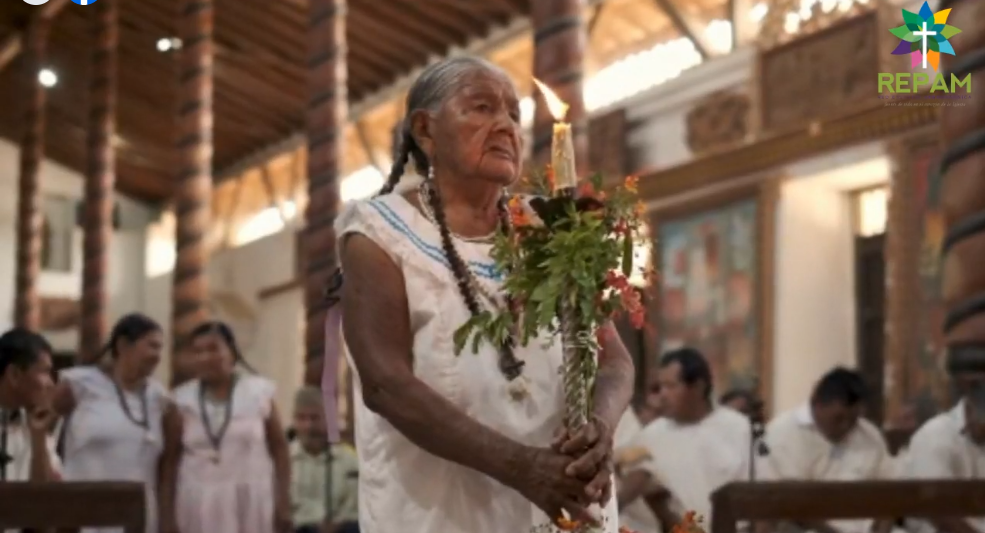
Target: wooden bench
pixel 45 506
pixel 803 501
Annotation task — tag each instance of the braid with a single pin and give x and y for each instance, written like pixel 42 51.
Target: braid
pixel 397 170
pixel 458 266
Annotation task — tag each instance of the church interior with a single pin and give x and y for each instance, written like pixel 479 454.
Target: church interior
pixel 186 160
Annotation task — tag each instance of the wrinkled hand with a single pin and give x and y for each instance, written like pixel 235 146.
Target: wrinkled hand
pixel 591 446
pixel 542 480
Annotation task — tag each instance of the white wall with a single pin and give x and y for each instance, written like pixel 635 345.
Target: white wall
pixel 814 317
pixel 270 330
pixel 658 135
pixel 126 269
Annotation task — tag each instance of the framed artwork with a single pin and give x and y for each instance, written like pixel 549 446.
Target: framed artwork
pixel 714 257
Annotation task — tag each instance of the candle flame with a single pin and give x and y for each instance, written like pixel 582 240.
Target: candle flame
pixel 557 106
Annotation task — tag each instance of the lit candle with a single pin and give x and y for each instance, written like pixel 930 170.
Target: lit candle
pixel 562 144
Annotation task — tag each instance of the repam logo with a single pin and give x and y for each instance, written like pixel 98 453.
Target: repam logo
pixel 42 2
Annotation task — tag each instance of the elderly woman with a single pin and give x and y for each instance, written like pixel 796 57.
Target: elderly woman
pixel 459 444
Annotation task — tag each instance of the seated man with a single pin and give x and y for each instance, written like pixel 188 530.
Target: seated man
pixel 313 510
pixel 27 452
pixel 695 448
pixel 828 440
pixel 952 446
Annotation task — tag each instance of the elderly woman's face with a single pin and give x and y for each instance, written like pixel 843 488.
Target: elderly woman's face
pixel 478 128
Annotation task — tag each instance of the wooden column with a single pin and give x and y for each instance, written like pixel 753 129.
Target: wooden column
pixel 559 56
pixel 325 122
pixel 963 193
pixel 100 179
pixel 27 310
pixel 193 193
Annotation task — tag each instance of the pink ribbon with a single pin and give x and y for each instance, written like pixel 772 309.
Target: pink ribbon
pixel 330 371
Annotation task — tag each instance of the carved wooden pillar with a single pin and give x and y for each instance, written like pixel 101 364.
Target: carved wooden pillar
pixel 963 195
pixel 193 193
pixel 559 57
pixel 27 311
pixel 100 179
pixel 325 122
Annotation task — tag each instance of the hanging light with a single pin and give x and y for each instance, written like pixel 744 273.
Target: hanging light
pixel 47 77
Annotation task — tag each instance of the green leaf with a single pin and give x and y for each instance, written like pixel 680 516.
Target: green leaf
pixel 627 255
pixel 904 33
pixel 949 31
pixel 597 181
pixel 912 18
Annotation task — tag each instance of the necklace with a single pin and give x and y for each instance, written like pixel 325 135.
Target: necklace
pixel 215 437
pixel 509 365
pixel 425 193
pixel 5 458
pixel 144 421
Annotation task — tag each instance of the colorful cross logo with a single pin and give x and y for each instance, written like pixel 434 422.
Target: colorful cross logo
pixel 924 36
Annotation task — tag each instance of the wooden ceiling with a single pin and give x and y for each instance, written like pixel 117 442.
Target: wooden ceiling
pixel 260 83
pixel 260 74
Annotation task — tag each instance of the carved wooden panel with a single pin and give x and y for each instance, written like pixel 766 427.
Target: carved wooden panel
pixel 827 74
pixel 607 144
pixel 720 120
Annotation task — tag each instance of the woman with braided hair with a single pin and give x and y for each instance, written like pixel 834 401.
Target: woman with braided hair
pixel 460 444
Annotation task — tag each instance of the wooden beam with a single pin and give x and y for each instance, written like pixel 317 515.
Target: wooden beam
pixel 808 501
pixel 686 27
pixel 783 148
pixel 230 217
pixel 13 45
pixel 368 147
pixel 478 47
pixel 268 185
pixel 79 504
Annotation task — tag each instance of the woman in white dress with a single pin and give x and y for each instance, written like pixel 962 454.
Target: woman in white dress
pixel 113 413
pixel 226 459
pixel 459 444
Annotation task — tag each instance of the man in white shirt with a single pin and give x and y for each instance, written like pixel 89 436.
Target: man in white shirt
pixel 26 449
pixel 952 446
pixel 695 448
pixel 828 440
pixel 636 515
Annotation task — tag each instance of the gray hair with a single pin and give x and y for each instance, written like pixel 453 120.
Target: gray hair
pixel 308 396
pixel 429 92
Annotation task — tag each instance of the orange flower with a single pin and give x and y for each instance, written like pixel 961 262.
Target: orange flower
pixel 586 190
pixel 632 184
pixel 518 215
pixel 567 525
pixel 639 209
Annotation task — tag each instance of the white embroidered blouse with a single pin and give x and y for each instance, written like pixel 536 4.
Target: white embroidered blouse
pixel 400 483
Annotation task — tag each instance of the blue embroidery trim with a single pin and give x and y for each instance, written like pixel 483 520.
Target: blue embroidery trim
pixel 485 270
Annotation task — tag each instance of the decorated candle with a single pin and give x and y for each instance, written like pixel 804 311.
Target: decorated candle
pixel 562 144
